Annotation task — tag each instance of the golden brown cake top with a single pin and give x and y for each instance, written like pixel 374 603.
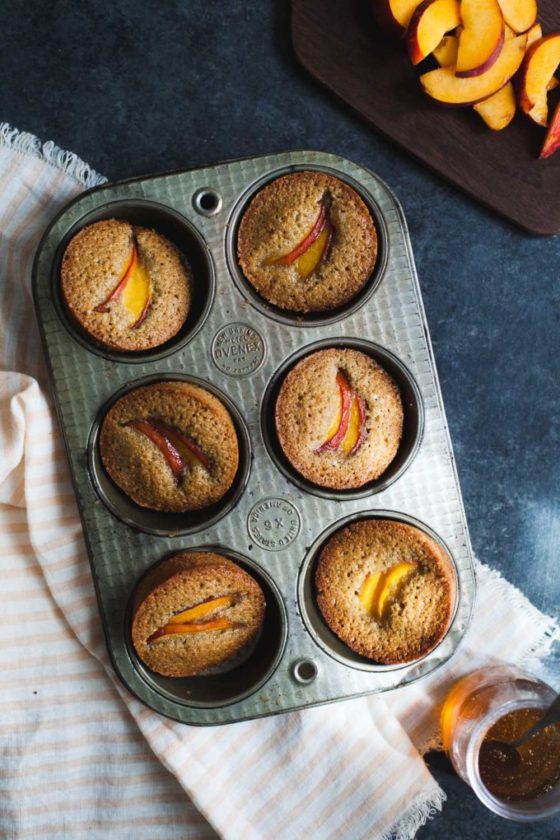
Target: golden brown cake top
pixel 339 418
pixel 386 589
pixel 195 611
pixel 126 286
pixel 307 242
pixel 170 446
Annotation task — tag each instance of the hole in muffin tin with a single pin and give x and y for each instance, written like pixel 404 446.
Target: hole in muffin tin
pixel 309 319
pixel 413 427
pixel 226 686
pixel 304 671
pixel 157 522
pixel 314 622
pixel 207 202
pixel 191 246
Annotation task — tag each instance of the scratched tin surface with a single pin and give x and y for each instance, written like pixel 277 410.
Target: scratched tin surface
pixel 271 522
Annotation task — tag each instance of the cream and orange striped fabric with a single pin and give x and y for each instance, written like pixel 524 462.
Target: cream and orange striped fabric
pixel 79 756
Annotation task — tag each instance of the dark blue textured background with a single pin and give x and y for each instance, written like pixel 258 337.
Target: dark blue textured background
pixel 139 87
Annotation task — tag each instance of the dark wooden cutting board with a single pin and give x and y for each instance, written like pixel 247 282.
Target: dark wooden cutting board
pixel 339 43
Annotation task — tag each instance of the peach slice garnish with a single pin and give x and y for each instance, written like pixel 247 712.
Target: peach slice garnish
pixel 347 431
pixel 339 427
pixel 172 456
pixel 446 51
pixel 356 431
pixel 481 38
pixel 184 444
pixel 313 248
pixel 203 609
pixel 134 288
pixel 177 448
pixel 309 261
pixel 429 23
pixel 379 590
pixel 199 627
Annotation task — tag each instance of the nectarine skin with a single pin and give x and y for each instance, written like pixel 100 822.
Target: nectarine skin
pixel 539 66
pixel 482 37
pixel 429 23
pixel 394 15
pixel 552 140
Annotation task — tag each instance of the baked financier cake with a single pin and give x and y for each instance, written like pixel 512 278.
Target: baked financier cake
pixel 195 611
pixel 307 242
pixel 386 589
pixel 170 446
pixel 339 418
pixel 127 287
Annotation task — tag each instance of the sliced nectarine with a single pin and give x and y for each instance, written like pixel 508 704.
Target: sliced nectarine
pixel 123 277
pixel 429 23
pixel 395 14
pixel 202 609
pixel 183 629
pixel 539 66
pixel 498 110
pixel 446 51
pixel 168 450
pixel 310 260
pixel 379 590
pixel 187 447
pixel 552 140
pixel 368 591
pixel 356 432
pixel 519 14
pixel 534 34
pixel 481 38
pixel 445 87
pixel 134 288
pixel 339 427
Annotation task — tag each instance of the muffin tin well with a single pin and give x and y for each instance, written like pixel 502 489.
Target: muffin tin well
pixel 307 602
pixel 190 245
pixel 272 522
pixel 413 427
pixel 155 521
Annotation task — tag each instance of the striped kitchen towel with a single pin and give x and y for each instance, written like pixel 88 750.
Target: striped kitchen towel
pixel 78 754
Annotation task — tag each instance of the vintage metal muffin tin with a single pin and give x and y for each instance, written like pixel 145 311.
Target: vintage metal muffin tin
pixel 272 522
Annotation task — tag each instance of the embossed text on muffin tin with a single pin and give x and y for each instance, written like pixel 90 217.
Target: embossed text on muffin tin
pixel 238 349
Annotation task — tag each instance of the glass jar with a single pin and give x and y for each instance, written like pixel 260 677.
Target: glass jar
pixel 476 704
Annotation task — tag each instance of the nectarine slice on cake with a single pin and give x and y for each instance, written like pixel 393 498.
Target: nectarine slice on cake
pixel 519 14
pixel 379 590
pixel 395 15
pixel 187 447
pixel 313 248
pixel 170 453
pixel 498 110
pixel 134 288
pixel 203 609
pixel 447 88
pixel 481 38
pixel 429 23
pixel 552 139
pixel 339 426
pixel 348 429
pixel 177 448
pixel 198 627
pixel 356 431
pixel 539 66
